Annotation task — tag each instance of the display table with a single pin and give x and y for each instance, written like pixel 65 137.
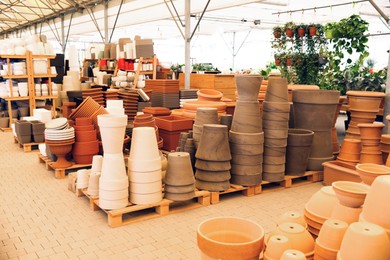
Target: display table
pixel 221 82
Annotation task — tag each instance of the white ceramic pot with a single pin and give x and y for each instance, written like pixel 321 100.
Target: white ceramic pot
pixel 144 199
pixel 144 165
pixel 97 163
pixel 113 194
pixel 113 185
pixel 145 177
pixel 112 132
pixel 93 184
pixel 144 144
pixel 82 179
pixel 23 89
pixel 146 188
pixel 113 166
pixel 113 204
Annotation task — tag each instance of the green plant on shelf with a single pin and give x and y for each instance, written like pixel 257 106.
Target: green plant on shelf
pixel 268 68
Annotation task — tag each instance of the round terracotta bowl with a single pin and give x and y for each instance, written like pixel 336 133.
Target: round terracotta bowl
pixel 347 214
pixel 322 203
pixel 364 241
pixel 277 244
pixel 209 95
pixel 375 158
pixel 298 236
pixel 350 194
pixel 293 254
pixel 83 121
pixel 230 238
pixel 292 216
pixel 369 171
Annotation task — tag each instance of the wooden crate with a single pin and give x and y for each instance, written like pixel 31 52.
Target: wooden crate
pixel 245 190
pixel 134 213
pixel 26 147
pixel 60 173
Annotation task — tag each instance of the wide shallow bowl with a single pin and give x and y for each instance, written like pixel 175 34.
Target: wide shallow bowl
pixel 350 194
pixel 369 171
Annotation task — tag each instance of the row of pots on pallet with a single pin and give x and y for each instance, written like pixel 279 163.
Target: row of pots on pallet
pixel 29 131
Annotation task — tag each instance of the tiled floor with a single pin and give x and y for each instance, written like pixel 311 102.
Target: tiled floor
pixel 40 218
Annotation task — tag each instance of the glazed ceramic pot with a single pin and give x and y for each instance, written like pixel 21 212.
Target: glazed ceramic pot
pixel 298 236
pixel 331 234
pixel 230 238
pixel 214 143
pixel 350 194
pixel 112 130
pixel 209 95
pixel 376 209
pixel 247 117
pixel 364 241
pixel 369 171
pixel 322 203
pixel 346 214
pixel 292 254
pixel 248 87
pixel 277 90
pixel 299 144
pixel 276 246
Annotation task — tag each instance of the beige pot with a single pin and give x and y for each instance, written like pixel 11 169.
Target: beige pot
pixel 276 245
pixel 331 234
pixel 322 203
pixel 350 194
pixel 346 214
pixel 369 171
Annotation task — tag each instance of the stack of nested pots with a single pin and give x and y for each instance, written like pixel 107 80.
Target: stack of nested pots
pixel 113 182
pixel 148 120
pixel 213 159
pixel 370 135
pixel 385 148
pixel 144 167
pixel 350 151
pixel 276 113
pixel 204 115
pixel 179 179
pixel 87 144
pixel 246 134
pixel 363 106
pixel 315 110
pixel 94 176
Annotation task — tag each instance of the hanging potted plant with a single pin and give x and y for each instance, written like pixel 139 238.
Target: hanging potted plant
pixel 312 29
pixel 277 59
pixel 301 30
pixel 288 57
pixel 289 29
pixel 330 30
pixel 277 32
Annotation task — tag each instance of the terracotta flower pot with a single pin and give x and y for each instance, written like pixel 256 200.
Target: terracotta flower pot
pixel 369 171
pixel 350 194
pixel 209 95
pixel 61 150
pixel 230 238
pixel 347 214
pixel 276 246
pixel 85 136
pixel 371 131
pixel 331 234
pixel 83 121
pixel 248 87
pixel 277 90
pixel 322 203
pixel 364 241
pixel 351 146
pixel 247 117
pixel 292 216
pixel 365 100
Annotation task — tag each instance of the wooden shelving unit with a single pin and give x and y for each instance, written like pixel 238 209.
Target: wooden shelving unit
pixel 30 77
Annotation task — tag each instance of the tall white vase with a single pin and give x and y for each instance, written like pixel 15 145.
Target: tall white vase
pixel 112 131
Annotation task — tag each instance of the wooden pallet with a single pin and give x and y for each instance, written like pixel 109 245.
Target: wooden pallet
pixel 292 181
pixel 245 190
pixel 60 173
pixel 134 213
pixel 5 129
pixel 26 147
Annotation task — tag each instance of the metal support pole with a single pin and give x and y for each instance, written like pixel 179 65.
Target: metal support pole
pixel 106 22
pixel 63 33
pixel 187 44
pixel 387 99
pixel 233 51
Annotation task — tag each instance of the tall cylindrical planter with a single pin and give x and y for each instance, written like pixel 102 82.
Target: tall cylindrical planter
pixel 315 110
pixel 299 144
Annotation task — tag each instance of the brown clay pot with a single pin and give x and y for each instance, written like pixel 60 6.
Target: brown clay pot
pixel 85 136
pixel 82 148
pixel 277 90
pixel 248 87
pixel 365 100
pixel 84 128
pixel 276 133
pixel 212 176
pixel 275 141
pixel 279 107
pixel 212 165
pixel 247 159
pixel 238 169
pixel 214 143
pixel 212 186
pixel 274 124
pixel 299 145
pixel 247 180
pixel 246 149
pixel 83 121
pixel 247 117
pixel 61 150
pixel 274 151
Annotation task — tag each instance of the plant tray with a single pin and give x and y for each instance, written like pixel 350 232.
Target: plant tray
pixel 174 123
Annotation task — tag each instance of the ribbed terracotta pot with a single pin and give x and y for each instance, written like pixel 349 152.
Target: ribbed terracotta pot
pixel 230 238
pixel 365 100
pixel 299 144
pixel 248 87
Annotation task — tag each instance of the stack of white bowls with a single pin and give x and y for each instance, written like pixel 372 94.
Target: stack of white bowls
pixel 23 89
pixel 19 68
pixel 144 167
pixel 113 183
pixel 115 107
pixel 94 177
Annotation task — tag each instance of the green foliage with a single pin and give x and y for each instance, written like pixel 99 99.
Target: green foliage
pixel 289 25
pixel 265 71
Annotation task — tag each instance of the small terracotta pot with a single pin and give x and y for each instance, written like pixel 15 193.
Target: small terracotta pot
pixel 350 194
pixel 347 214
pixel 364 241
pixel 369 171
pixel 209 95
pixel 85 136
pixel 277 244
pixel 322 203
pixel 83 121
pixel 230 238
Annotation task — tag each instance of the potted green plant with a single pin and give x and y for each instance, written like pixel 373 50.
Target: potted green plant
pixel 331 30
pixel 289 29
pixel 312 29
pixel 277 32
pixel 288 57
pixel 301 30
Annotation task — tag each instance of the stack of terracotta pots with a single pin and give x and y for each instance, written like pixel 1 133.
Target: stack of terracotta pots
pixel 315 110
pixel 213 159
pixel 144 167
pixel 299 144
pixel 179 179
pixel 350 151
pixel 276 112
pixel 190 108
pixel 370 135
pixel 204 115
pixel 148 120
pixel 113 182
pixel 246 135
pixel 364 107
pixel 385 148
pixel 87 144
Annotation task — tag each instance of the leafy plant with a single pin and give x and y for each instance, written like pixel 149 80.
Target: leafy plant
pixel 289 25
pixel 277 31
